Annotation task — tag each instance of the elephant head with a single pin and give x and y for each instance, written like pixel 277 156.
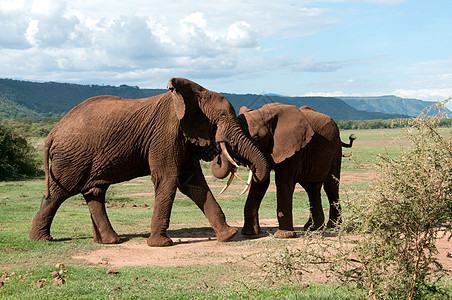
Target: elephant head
pixel 208 119
pixel 279 130
pixel 272 129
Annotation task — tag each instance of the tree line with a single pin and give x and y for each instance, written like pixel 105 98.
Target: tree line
pixel 382 124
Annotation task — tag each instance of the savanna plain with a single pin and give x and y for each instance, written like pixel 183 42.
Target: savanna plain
pixel 196 267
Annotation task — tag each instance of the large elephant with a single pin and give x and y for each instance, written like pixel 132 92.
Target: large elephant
pixel 302 146
pixel 107 139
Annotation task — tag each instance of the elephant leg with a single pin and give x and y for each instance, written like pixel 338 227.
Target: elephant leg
pixel 103 232
pixel 42 221
pixel 316 218
pixel 193 184
pixel 165 191
pixel 285 186
pixel 251 211
pixel 331 188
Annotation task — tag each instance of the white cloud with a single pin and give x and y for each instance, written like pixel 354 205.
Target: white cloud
pixel 138 35
pixel 310 64
pixel 42 7
pixel 326 94
pixel 55 30
pixel 11 5
pixel 383 2
pixel 390 2
pixel 241 34
pixel 13 28
pixel 421 94
pixel 196 18
pixel 127 38
pixel 425 94
pixel 131 42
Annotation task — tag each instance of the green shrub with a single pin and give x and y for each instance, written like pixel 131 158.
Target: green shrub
pixel 380 124
pixel 404 213
pixel 16 156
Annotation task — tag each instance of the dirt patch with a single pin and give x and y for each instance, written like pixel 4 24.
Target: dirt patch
pixel 200 248
pixel 186 251
pixel 357 177
pixel 190 248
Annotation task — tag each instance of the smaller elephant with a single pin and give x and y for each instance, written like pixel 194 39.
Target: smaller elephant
pixel 302 146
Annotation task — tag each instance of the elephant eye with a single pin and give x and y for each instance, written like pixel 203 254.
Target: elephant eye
pixel 223 114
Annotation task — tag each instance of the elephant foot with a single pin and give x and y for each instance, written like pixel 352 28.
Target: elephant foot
pixel 248 230
pixel 159 241
pixel 312 227
pixel 285 234
pixel 333 224
pixel 112 238
pixel 226 235
pixel 42 235
pixel 40 229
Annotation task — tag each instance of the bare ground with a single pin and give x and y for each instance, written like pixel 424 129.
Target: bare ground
pixel 201 248
pixel 194 248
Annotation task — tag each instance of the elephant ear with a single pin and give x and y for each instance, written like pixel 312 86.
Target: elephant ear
pixel 186 96
pixel 244 109
pixel 291 131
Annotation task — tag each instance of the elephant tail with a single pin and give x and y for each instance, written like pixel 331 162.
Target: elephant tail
pixel 352 137
pixel 47 145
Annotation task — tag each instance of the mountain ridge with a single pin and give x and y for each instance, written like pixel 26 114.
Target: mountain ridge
pixel 389 104
pixel 27 99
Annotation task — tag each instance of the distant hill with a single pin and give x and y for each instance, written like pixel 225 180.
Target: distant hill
pixel 333 107
pixel 389 104
pixel 25 99
pixel 19 99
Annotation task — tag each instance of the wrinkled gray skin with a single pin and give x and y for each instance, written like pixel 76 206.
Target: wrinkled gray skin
pixel 302 146
pixel 107 139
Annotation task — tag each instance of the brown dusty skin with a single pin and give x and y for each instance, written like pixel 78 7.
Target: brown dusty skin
pixel 107 139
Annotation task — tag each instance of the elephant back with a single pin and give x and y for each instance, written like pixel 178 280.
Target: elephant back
pixel 322 124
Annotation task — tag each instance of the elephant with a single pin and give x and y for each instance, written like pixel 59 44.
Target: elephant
pixel 302 146
pixel 107 139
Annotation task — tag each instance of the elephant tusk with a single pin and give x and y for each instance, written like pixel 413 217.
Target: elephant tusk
pixel 248 184
pixel 227 184
pixel 234 172
pixel 226 153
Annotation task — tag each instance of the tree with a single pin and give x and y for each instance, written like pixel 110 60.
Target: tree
pixel 16 156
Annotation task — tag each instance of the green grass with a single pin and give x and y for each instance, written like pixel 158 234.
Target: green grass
pixel 33 260
pixel 155 283
pixel 371 142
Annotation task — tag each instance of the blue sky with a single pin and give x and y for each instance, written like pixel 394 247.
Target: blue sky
pixel 294 48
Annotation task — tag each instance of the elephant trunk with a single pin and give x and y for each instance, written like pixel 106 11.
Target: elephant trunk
pixel 244 148
pixel 221 167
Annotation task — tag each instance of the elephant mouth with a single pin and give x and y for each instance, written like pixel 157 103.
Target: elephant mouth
pixel 227 155
pixel 236 148
pixel 231 178
pixel 234 169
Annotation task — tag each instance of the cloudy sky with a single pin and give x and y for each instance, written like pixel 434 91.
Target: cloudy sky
pixel 294 48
